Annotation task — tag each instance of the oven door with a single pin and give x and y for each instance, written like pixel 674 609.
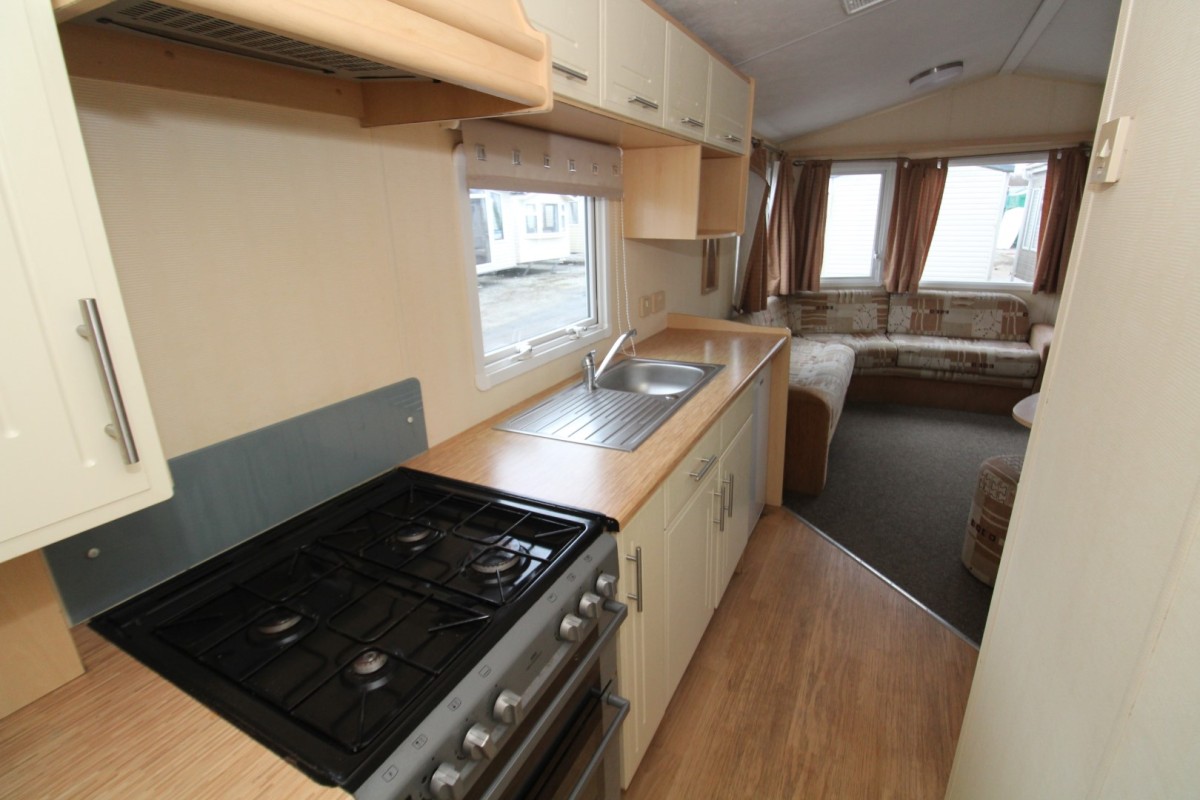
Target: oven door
pixel 564 754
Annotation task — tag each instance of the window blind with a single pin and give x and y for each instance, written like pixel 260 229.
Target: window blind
pixel 514 158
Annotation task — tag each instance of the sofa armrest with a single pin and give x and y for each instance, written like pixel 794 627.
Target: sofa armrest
pixel 1040 334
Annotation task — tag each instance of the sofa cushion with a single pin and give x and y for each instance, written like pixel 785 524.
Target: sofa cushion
pixel 966 315
pixel 847 311
pixel 775 315
pixel 823 369
pixel 972 356
pixel 871 350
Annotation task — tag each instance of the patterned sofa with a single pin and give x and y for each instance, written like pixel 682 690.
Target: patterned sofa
pixel 973 350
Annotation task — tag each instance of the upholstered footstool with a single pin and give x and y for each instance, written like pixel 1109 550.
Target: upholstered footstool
pixel 991 510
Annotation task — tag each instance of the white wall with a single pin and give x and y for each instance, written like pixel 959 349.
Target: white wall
pixel 274 261
pixel 1086 684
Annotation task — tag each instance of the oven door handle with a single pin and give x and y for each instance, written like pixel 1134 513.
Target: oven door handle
pixel 517 757
pixel 622 706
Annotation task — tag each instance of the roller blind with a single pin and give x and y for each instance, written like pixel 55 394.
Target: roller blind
pixel 513 158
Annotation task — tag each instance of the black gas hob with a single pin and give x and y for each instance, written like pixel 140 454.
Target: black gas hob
pixel 330 636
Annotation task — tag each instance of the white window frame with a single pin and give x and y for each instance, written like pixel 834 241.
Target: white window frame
pixel 492 369
pixel 977 161
pixel 886 190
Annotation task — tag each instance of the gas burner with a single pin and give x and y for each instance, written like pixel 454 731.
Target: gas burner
pixel 410 534
pixel 370 669
pixel 369 662
pixel 277 622
pixel 496 563
pixel 279 626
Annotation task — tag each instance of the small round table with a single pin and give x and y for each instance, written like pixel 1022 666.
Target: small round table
pixel 1024 411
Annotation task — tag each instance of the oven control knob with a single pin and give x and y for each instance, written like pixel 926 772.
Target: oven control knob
pixel 480 743
pixel 589 605
pixel 606 586
pixel 445 783
pixel 509 708
pixel 571 628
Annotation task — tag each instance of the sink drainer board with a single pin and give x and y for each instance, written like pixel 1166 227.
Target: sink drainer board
pixel 609 418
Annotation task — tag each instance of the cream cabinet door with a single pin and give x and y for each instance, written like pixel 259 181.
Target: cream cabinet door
pixel 690 599
pixel 687 84
pixel 736 516
pixel 61 471
pixel 728 104
pixel 642 643
pixel 574 31
pixel 635 44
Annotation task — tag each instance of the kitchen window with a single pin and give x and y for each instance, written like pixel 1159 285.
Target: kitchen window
pixel 860 196
pixel 988 223
pixel 538 292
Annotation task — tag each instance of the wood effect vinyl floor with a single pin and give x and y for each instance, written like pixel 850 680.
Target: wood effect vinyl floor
pixel 815 679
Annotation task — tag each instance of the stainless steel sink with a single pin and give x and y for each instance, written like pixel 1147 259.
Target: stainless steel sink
pixel 644 376
pixel 632 399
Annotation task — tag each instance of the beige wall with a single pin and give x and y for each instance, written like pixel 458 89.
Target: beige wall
pixel 1086 684
pixel 275 261
pixel 1005 107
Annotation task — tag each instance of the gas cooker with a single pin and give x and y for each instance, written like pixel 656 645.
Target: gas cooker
pixel 332 636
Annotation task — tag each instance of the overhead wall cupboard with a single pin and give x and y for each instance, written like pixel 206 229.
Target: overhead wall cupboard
pixel 690 181
pixel 78 445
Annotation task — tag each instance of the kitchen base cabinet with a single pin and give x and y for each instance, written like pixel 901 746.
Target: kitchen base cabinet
pixel 677 563
pixel 735 522
pixel 642 640
pixel 690 601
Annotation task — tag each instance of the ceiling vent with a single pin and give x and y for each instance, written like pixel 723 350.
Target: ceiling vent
pixel 855 6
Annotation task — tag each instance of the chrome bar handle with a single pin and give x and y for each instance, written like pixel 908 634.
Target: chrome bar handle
pixel 695 123
pixel 636 559
pixel 622 706
pixel 641 101
pixel 729 137
pixel 700 473
pixel 570 72
pixel 92 329
pixel 720 495
pixel 729 495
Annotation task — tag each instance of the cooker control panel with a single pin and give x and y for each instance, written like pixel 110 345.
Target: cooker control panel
pixel 482 720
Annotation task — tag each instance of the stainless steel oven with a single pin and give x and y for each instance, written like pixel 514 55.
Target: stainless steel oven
pixel 567 752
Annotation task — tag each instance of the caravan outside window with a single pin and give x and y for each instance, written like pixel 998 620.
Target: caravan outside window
pixel 988 223
pixel 542 286
pixel 860 194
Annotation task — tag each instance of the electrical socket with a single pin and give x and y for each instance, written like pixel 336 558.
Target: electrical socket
pixel 659 301
pixel 644 306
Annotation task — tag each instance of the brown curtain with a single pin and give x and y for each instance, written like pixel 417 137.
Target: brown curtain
pixel 808 237
pixel 915 206
pixel 1066 176
pixel 754 289
pixel 780 232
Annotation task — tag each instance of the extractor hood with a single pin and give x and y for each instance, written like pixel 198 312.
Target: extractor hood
pixel 473 57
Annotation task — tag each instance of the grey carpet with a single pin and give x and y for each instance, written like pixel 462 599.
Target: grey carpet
pixel 899 491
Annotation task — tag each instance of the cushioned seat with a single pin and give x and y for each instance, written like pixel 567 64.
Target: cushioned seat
pixel 991 510
pixel 974 356
pixel 824 371
pixel 873 350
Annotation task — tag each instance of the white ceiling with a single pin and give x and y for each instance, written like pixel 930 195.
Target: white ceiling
pixel 815 66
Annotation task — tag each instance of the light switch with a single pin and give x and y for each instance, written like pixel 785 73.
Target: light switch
pixel 1110 150
pixel 644 306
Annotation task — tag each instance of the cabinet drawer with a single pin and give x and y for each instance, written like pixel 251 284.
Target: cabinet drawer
pixel 737 413
pixel 681 484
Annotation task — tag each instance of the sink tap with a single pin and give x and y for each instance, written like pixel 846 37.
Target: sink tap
pixel 591 372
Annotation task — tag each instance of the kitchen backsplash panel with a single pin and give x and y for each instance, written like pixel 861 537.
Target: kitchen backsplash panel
pixel 232 490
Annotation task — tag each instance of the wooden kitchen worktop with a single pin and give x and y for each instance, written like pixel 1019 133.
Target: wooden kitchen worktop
pixel 121 731
pixel 610 481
